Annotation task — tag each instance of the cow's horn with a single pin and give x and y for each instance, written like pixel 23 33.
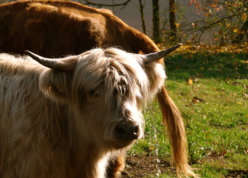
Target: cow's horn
pixel 56 64
pixel 158 55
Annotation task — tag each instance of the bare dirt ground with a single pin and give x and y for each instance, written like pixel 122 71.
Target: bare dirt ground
pixel 145 166
pixel 149 167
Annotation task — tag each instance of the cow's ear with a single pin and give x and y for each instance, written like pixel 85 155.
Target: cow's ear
pixel 56 85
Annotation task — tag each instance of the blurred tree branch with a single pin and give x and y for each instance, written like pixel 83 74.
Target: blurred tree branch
pixel 107 5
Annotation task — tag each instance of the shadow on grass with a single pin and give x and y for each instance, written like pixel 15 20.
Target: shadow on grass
pixel 207 65
pixel 230 173
pixel 237 173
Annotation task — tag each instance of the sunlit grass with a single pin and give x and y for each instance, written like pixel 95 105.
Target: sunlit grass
pixel 215 112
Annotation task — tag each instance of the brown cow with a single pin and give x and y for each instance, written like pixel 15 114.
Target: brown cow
pixel 57 28
pixel 67 117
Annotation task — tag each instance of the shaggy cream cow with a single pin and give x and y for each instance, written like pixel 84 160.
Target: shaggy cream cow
pixel 68 117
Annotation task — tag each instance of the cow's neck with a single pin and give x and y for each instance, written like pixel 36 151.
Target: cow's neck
pixel 89 159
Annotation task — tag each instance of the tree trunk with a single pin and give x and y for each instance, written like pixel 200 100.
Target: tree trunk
pixel 172 19
pixel 155 20
pixel 141 7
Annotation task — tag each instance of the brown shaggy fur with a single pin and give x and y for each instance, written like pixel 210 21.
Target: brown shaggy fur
pixel 54 28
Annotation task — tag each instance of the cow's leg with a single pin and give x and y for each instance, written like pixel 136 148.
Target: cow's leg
pixel 116 165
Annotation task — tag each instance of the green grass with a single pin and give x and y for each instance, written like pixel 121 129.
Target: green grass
pixel 216 120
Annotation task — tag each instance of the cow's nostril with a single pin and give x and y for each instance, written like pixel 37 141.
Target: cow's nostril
pixel 127 132
pixel 134 130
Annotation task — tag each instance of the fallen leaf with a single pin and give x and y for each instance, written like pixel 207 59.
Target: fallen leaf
pixel 197 100
pixel 177 25
pixel 244 17
pixel 190 81
pixel 235 30
pixel 246 151
pixel 228 24
pixel 178 67
pixel 223 153
pixel 195 80
pixel 209 12
pixel 244 62
pixel 239 103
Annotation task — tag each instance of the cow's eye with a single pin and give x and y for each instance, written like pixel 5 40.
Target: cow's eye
pixel 94 93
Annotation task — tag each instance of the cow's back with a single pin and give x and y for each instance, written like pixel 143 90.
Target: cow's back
pixel 58 28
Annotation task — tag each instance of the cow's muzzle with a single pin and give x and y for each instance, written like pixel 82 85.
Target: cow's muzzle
pixel 127 131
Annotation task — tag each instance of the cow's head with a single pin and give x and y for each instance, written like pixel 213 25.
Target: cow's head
pixel 105 89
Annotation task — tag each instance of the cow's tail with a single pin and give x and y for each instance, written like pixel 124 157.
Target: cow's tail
pixel 175 127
